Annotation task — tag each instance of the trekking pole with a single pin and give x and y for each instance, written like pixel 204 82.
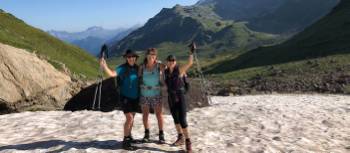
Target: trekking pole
pixel 204 83
pixel 98 88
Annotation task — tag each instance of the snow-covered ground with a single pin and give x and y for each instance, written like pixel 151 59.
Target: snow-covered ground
pixel 263 123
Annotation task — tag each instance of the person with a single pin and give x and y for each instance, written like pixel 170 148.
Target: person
pixel 176 97
pixel 151 78
pixel 127 76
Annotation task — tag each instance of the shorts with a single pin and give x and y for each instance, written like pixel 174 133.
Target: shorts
pixel 151 101
pixel 130 105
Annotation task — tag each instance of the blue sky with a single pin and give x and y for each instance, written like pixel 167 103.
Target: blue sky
pixel 78 15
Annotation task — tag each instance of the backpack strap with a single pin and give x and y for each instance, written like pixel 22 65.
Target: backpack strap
pixel 141 83
pixel 141 74
pixel 161 75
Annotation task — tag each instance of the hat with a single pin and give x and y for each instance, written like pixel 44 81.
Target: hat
pixel 130 52
pixel 171 57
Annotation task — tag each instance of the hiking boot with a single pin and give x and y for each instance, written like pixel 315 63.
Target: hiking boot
pixel 146 138
pixel 127 144
pixel 132 140
pixel 188 146
pixel 161 137
pixel 180 140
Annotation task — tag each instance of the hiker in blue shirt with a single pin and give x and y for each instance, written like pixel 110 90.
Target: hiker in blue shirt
pixel 151 80
pixel 127 76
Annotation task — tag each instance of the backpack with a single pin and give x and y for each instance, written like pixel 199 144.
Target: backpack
pixel 187 85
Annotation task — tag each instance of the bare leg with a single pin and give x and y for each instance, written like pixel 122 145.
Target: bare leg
pixel 145 114
pixel 178 128
pixel 132 123
pixel 186 133
pixel 159 114
pixel 128 123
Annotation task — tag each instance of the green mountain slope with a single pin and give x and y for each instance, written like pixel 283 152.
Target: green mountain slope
pixel 282 20
pixel 180 25
pixel 272 16
pixel 328 36
pixel 316 59
pixel 224 26
pixel 17 33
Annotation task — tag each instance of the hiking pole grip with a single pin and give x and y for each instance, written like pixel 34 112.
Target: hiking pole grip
pixel 192 47
pixel 104 51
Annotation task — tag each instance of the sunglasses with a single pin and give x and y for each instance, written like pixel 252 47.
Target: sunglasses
pixel 171 60
pixel 130 56
pixel 152 54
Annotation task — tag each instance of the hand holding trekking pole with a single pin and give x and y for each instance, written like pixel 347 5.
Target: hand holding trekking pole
pixel 103 63
pixel 98 89
pixel 192 47
pixel 104 67
pixel 103 54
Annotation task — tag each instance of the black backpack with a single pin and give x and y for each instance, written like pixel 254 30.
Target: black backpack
pixel 187 85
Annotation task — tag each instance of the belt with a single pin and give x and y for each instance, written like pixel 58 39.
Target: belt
pixel 150 87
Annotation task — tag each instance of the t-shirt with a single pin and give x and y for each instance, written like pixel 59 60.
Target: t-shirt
pixel 129 85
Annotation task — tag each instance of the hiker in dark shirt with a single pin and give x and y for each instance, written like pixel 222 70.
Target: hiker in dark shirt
pixel 176 96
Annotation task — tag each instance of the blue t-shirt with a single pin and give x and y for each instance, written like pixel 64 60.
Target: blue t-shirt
pixel 129 83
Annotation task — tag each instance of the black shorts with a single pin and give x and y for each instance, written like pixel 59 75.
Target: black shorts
pixel 129 105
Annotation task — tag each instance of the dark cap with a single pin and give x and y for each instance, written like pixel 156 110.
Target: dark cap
pixel 130 52
pixel 171 57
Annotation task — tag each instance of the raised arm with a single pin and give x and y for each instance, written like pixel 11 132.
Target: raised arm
pixel 106 69
pixel 183 69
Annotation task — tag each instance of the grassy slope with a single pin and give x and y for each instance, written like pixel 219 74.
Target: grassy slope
pixel 317 59
pixel 17 33
pixel 329 36
pixel 193 23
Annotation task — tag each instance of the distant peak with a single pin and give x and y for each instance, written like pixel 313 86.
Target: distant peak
pixel 203 2
pixel 94 28
pixel 177 5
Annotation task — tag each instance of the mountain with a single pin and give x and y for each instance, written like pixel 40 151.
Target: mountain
pixel 92 38
pixel 328 36
pixel 272 16
pixel 316 59
pixel 224 25
pixel 182 24
pixel 122 34
pixel 17 33
pixel 241 10
pixel 282 20
pixel 90 44
pixel 94 31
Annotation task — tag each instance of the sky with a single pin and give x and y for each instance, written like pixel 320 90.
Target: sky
pixel 78 15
